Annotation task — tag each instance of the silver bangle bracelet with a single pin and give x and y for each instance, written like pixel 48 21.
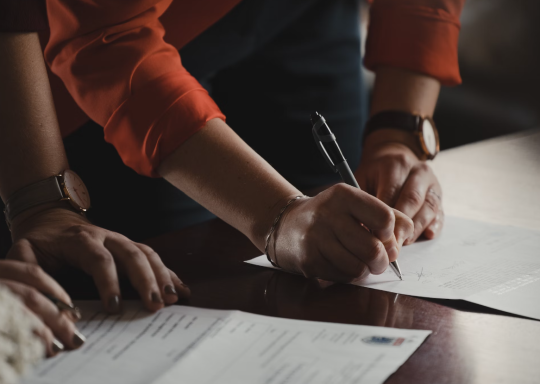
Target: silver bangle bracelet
pixel 274 226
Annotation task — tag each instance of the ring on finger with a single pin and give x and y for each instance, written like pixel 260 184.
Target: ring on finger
pixel 432 191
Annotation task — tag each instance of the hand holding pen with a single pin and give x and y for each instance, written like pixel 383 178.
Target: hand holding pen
pixel 325 236
pixel 327 144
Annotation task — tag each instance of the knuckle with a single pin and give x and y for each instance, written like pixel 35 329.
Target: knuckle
pixel 376 251
pixel 401 160
pixel 390 193
pixel 408 225
pixel 34 271
pixel 342 191
pixel 423 167
pixel 32 297
pixel 387 218
pixel 414 197
pixel 102 258
pixel 145 248
pixel 132 254
pixel 80 232
pixel 419 226
pixel 432 203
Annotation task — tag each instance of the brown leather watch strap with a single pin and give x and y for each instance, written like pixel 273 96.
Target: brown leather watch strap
pixel 393 119
pixel 44 191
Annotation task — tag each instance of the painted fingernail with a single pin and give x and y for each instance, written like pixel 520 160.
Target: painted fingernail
pixel 169 290
pixel 78 338
pixel 393 253
pixel 57 346
pixel 114 304
pixel 156 298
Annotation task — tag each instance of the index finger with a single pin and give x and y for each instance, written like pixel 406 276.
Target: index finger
pixel 98 262
pixel 368 210
pixel 413 193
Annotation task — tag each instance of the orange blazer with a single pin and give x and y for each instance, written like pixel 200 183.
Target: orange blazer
pixel 121 70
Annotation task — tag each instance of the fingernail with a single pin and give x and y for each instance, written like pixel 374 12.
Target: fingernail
pixel 156 298
pixel 169 290
pixel 57 346
pixel 114 304
pixel 78 338
pixel 393 253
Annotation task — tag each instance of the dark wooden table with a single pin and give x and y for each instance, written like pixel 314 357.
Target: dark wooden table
pixel 469 344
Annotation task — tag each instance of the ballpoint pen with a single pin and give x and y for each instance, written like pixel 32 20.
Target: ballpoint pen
pixel 328 146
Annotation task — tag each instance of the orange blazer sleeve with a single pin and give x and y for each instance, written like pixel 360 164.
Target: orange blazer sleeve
pixel 113 60
pixel 418 35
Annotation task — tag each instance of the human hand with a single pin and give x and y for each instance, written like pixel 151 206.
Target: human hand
pixel 324 236
pixel 55 237
pixel 394 174
pixel 28 281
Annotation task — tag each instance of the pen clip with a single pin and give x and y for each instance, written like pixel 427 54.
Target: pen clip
pixel 319 140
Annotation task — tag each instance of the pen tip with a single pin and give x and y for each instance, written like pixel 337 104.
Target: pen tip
pixel 315 116
pixel 401 278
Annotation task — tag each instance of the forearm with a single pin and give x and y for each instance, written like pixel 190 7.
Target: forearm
pixel 31 147
pixel 401 90
pixel 221 172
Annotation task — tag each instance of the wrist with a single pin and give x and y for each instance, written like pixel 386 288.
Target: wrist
pixel 262 227
pixel 393 136
pixel 52 208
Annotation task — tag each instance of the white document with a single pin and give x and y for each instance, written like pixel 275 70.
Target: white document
pixel 488 264
pixel 192 345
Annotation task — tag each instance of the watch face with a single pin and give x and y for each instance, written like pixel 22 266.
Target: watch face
pixel 429 137
pixel 76 190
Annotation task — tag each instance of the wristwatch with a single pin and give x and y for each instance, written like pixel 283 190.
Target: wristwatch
pixel 67 186
pixel 421 126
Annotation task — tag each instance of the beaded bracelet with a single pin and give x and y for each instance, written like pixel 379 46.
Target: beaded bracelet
pixel 274 226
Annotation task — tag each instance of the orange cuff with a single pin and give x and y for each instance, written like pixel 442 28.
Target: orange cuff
pixel 155 121
pixel 420 39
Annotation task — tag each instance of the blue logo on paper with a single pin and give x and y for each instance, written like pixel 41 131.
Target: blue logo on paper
pixel 381 340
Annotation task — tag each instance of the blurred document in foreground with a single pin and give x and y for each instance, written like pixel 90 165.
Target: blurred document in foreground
pixel 493 265
pixel 192 345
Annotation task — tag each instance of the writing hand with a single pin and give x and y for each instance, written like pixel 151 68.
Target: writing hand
pixel 392 172
pixel 56 237
pixel 323 236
